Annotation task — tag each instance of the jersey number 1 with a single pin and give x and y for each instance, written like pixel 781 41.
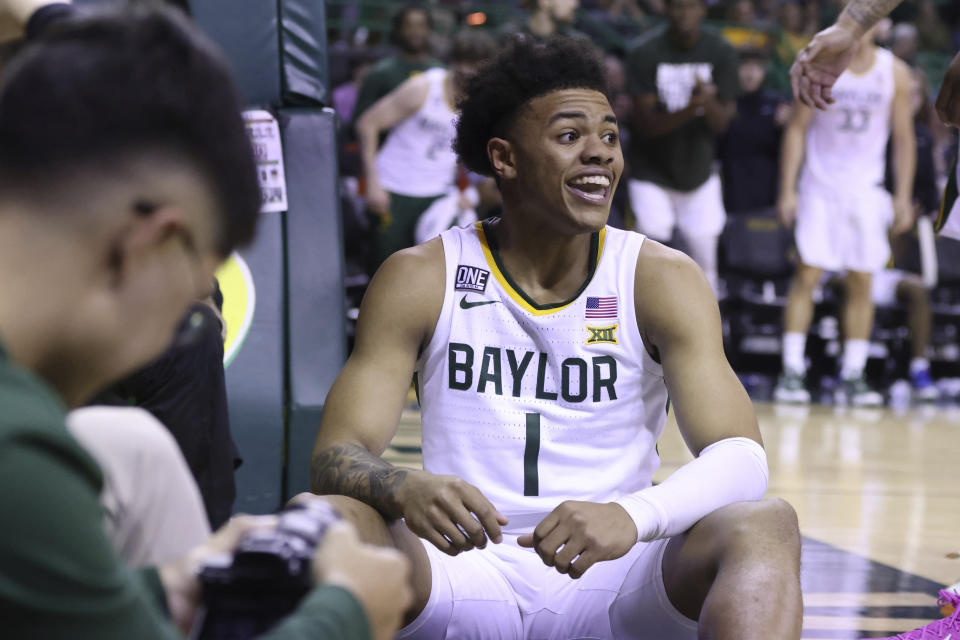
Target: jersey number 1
pixel 531 451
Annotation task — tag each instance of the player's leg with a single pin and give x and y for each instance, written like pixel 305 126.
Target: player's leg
pixel 912 293
pixel 395 231
pixel 737 572
pixel 652 209
pixel 797 316
pixel 857 322
pixel 700 218
pixel 373 529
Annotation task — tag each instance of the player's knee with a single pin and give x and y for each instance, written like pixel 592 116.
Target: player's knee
pixel 773 523
pixel 370 525
pixel 759 528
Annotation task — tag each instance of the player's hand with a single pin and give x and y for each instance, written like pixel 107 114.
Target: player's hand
pixel 948 100
pixel 701 95
pixel 376 576
pixel 904 215
pixel 576 535
pixel 820 63
pixel 179 577
pixel 449 512
pixel 787 208
pixel 378 200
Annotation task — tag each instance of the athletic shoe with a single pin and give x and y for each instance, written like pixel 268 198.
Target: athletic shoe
pixel 791 388
pixel 923 388
pixel 944 629
pixel 855 392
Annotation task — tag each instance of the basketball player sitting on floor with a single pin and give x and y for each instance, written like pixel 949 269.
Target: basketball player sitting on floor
pixel 545 344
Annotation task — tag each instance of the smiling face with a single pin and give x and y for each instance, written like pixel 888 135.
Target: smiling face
pixel 566 160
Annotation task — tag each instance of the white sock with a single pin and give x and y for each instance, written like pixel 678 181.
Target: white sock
pixel 854 358
pixel 794 344
pixel 919 364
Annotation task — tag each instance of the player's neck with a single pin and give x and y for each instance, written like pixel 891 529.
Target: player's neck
pixel 863 57
pixel 414 57
pixel 683 39
pixel 549 267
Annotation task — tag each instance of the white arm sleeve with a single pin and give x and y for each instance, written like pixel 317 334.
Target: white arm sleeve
pixel 728 471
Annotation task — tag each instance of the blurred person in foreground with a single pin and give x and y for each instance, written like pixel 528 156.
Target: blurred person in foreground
pixel 841 212
pixel 683 79
pixel 125 177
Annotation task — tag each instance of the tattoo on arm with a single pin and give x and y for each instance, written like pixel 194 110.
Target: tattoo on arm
pixel 351 470
pixel 867 13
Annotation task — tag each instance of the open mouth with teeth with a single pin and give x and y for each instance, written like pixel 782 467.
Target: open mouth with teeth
pixel 593 189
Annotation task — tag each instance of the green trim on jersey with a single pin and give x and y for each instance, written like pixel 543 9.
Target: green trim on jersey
pixel 592 261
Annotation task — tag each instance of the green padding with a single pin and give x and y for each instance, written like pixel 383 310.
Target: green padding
pixel 255 378
pixel 247 32
pixel 304 45
pixel 316 317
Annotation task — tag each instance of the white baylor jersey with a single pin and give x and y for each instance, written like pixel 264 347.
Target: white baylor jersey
pixel 533 404
pixel 417 158
pixel 847 143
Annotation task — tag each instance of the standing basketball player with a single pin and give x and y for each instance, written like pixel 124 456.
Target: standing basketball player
pixel 544 344
pixel 416 165
pixel 841 210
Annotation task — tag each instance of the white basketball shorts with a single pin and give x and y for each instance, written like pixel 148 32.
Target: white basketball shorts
pixel 505 592
pixel 697 213
pixel 843 229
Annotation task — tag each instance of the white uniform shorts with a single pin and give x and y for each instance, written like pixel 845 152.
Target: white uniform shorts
pixel 505 592
pixel 843 229
pixel 697 213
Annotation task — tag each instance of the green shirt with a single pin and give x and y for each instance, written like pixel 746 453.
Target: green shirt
pixel 683 158
pixel 384 77
pixel 59 574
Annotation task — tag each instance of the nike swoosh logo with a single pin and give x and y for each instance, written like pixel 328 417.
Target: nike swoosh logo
pixel 479 303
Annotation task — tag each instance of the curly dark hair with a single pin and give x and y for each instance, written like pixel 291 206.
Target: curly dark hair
pixel 524 70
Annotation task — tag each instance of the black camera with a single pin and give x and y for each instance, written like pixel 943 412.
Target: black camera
pixel 244 595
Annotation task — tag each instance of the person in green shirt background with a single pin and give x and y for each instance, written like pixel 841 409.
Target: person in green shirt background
pixel 125 177
pixel 683 79
pixel 410 34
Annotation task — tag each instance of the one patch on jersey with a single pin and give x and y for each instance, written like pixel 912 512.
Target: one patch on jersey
pixel 602 335
pixel 471 278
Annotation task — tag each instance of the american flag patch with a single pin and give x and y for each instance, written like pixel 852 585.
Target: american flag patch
pixel 605 307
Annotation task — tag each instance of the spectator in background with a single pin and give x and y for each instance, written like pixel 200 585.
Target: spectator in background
pixel 416 164
pixel 683 80
pixel 932 32
pixel 904 42
pixel 345 96
pixel 546 18
pixel 796 29
pixel 411 36
pixel 742 28
pixel 749 151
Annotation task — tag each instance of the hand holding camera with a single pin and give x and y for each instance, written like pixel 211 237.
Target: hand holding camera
pixel 255 570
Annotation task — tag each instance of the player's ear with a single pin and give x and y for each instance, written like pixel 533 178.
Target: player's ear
pixel 500 153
